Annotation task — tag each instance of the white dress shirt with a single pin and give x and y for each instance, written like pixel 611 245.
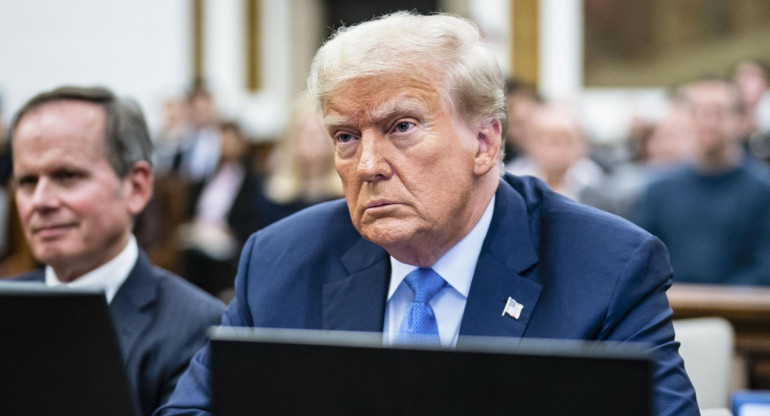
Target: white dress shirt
pixel 456 267
pixel 109 276
pixel 203 154
pixel 219 193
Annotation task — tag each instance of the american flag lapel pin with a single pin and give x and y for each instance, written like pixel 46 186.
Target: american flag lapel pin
pixel 512 308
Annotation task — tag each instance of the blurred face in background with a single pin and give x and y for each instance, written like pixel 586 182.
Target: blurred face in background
pixel 751 81
pixel 233 145
pixel 556 142
pixel 673 139
pixel 521 109
pixel 174 114
pixel 311 144
pixel 716 117
pixel 202 111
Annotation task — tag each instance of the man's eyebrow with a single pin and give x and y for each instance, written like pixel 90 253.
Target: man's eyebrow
pixel 396 107
pixel 389 109
pixel 337 121
pixel 17 179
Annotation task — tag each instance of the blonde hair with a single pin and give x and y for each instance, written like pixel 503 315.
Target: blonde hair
pixel 288 182
pixel 442 48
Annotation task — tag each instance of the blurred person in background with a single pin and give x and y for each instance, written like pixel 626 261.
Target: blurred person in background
pixel 170 139
pixel 5 176
pixel 752 77
pixel 522 101
pixel 82 172
pixel 302 171
pixel 198 154
pixel 5 150
pixel 557 153
pixel 156 227
pixel 223 213
pixel 713 214
pixel 672 142
pixel 665 148
pixel 188 146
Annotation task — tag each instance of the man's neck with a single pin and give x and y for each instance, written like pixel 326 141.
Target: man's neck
pixel 73 269
pixel 724 161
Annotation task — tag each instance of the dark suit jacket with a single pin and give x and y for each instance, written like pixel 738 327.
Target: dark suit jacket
pixel 243 215
pixel 160 320
pixel 580 274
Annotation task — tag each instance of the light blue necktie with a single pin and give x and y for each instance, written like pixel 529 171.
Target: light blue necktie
pixel 419 324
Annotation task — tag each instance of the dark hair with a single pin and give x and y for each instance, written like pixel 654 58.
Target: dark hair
pixel 230 125
pixel 126 133
pixel 519 86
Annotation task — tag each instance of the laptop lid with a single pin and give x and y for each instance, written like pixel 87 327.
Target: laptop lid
pixel 275 371
pixel 60 353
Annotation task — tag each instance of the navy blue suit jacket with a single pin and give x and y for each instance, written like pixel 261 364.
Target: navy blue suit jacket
pixel 161 321
pixel 580 274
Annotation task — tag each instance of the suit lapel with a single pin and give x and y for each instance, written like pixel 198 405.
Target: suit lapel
pixel 356 301
pixel 505 268
pixel 131 308
pixel 507 256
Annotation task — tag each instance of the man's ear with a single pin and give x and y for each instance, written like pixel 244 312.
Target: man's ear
pixel 138 185
pixel 489 138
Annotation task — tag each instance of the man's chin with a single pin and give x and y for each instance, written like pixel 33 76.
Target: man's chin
pixel 51 254
pixel 389 232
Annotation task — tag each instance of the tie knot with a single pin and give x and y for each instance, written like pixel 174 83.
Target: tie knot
pixel 425 283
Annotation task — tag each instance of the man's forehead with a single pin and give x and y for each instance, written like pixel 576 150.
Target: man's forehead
pixel 68 124
pixel 72 111
pixel 396 104
pixel 350 103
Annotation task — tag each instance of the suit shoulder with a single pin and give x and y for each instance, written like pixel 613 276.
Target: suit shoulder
pixel 325 214
pixel 594 223
pixel 326 225
pixel 556 214
pixel 177 294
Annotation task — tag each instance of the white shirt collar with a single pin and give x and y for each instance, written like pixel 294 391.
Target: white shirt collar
pixel 109 276
pixel 458 264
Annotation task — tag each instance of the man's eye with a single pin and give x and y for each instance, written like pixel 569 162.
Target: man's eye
pixel 67 176
pixel 344 138
pixel 403 126
pixel 26 182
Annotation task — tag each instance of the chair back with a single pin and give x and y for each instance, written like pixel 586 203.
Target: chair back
pixel 707 350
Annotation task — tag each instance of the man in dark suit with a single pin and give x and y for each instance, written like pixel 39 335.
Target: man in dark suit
pixel 431 244
pixel 81 174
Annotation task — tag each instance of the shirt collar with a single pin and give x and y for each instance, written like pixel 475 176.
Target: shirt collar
pixel 458 264
pixel 109 276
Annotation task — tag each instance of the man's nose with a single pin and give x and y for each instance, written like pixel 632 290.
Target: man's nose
pixel 45 195
pixel 373 161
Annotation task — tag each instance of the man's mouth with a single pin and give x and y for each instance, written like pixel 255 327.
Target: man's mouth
pixel 51 230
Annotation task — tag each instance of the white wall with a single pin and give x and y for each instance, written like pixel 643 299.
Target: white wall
pixel 261 113
pixel 605 113
pixel 494 20
pixel 142 48
pixel 137 48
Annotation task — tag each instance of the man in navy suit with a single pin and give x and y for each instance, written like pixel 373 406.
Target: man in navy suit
pixel 415 109
pixel 81 173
